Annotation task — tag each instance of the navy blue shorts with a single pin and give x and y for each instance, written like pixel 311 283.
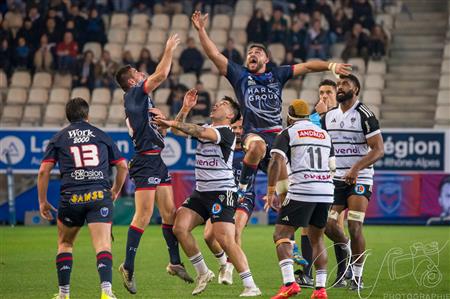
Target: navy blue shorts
pixel 247 205
pixel 91 206
pixel 269 139
pixel 220 206
pixel 148 172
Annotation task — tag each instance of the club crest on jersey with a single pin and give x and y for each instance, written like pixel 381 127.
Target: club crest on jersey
pixel 104 211
pixel 360 189
pixel 310 134
pixel 251 81
pixel 389 197
pixel 341 124
pixel 221 197
pixel 216 208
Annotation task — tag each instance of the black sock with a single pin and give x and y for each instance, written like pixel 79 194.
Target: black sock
pixel 307 255
pixel 104 266
pixel 172 244
pixel 340 259
pixel 64 268
pixel 134 236
pixel 247 172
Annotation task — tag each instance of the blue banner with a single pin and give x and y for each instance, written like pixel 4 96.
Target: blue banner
pixel 413 151
pixel 26 147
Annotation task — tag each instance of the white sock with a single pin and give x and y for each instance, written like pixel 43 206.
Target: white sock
pixel 287 270
pixel 106 287
pixel 64 289
pixel 221 258
pixel 357 270
pixel 247 279
pixel 199 263
pixel 321 278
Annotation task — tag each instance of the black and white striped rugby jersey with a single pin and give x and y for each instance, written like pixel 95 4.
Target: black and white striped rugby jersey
pixel 308 150
pixel 214 161
pixel 349 132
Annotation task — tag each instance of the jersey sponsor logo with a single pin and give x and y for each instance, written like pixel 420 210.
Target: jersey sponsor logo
pixel 210 163
pixel 153 181
pixel 360 189
pixel 82 174
pixel 346 151
pixel 104 211
pixel 80 136
pixel 341 124
pixel 265 103
pixel 12 146
pixel 310 134
pixel 320 177
pixel 87 197
pixel 216 208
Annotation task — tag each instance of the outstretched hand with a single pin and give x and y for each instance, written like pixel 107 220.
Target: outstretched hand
pixel 198 20
pixel 343 69
pixel 172 42
pixel 162 123
pixel 190 98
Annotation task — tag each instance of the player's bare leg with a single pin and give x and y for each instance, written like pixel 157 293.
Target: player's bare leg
pixel 320 258
pixel 185 221
pixel 225 233
pixel 240 221
pixel 219 253
pixel 64 259
pixel 144 201
pixel 282 239
pixel 255 150
pixel 357 206
pixel 101 241
pixel 165 202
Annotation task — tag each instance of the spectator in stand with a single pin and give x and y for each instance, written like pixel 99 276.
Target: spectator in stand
pixel 141 8
pixel 231 53
pixel 77 34
pixel 27 32
pixel 5 33
pixel 121 5
pixel 145 63
pixel 317 41
pixel 175 99
pixel 77 25
pixel 105 71
pixel 170 7
pixel 278 27
pixel 362 13
pixel 84 74
pixel 203 101
pixel 297 38
pixel 51 14
pixel 377 43
pixel 67 52
pixel 43 58
pixel 22 54
pixel 5 56
pixel 324 8
pixel 357 43
pixel 95 28
pixel 127 59
pixel 53 33
pixel 36 20
pixel 257 28
pixel 289 59
pixel 339 26
pixel 191 59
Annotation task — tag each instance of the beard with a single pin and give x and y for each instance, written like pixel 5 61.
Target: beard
pixel 343 97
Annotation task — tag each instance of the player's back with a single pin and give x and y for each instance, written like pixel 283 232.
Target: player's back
pixel 310 152
pixel 84 154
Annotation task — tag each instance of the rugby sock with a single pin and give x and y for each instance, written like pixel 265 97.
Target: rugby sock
pixel 104 268
pixel 247 172
pixel 247 279
pixel 307 254
pixel 357 270
pixel 172 244
pixel 340 259
pixel 199 263
pixel 221 258
pixel 134 237
pixel 321 278
pixel 64 268
pixel 287 271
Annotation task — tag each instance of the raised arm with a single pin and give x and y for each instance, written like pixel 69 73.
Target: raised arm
pixel 315 66
pixel 199 21
pixel 189 101
pixel 163 68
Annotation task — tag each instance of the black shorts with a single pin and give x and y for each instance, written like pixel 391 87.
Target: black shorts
pixel 91 206
pixel 217 205
pixel 342 191
pixel 302 213
pixel 269 139
pixel 149 171
pixel 247 205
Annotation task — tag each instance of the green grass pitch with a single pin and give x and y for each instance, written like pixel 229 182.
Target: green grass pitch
pixel 398 266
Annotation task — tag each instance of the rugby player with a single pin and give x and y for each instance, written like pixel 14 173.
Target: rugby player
pixel 258 90
pixel 85 155
pixel 309 151
pixel 215 195
pixel 358 144
pixel 147 169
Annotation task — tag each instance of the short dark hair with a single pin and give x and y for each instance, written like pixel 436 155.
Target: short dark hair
pixel 354 79
pixel 122 77
pixel 77 109
pixel 234 107
pixel 261 46
pixel 327 82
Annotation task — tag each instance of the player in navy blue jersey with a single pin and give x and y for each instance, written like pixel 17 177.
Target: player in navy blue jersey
pixel 258 90
pixel 85 155
pixel 147 169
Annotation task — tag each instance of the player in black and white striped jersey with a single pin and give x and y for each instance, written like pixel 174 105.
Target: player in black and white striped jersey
pixel 358 144
pixel 215 194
